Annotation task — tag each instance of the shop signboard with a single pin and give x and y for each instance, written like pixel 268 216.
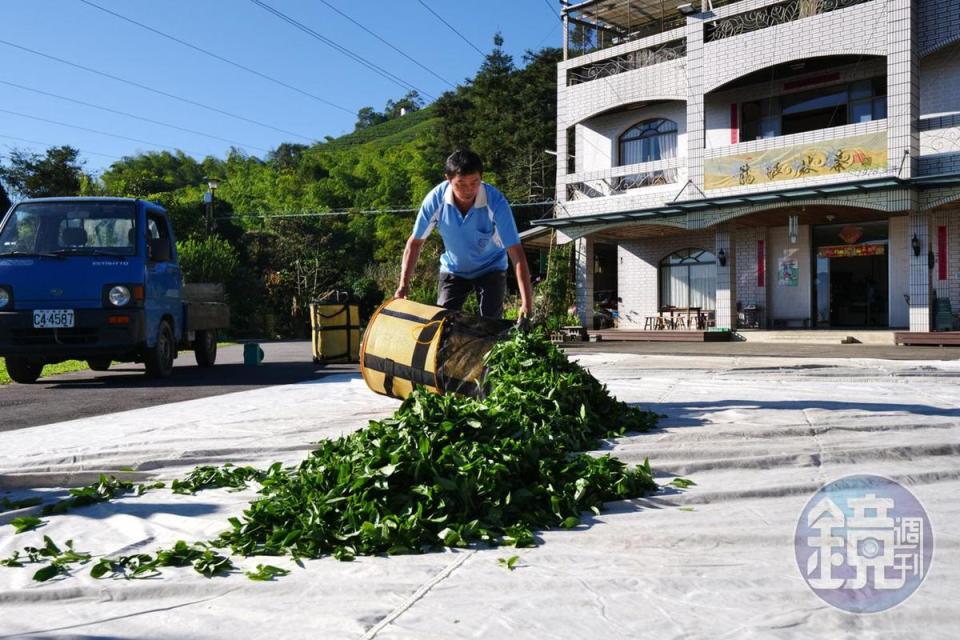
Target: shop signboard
pixel 851 251
pixel 863 154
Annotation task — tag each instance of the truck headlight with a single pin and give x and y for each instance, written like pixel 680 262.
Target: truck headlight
pixel 5 297
pixel 119 295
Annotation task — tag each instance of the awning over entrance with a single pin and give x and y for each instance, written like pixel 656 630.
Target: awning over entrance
pixel 682 208
pixel 580 225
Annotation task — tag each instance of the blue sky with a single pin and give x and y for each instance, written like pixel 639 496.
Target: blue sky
pixel 249 35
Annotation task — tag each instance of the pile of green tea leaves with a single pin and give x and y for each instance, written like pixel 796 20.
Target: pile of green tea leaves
pixel 449 470
pixel 442 471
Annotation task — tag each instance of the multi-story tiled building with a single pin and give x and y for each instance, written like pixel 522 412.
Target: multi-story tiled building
pixel 774 163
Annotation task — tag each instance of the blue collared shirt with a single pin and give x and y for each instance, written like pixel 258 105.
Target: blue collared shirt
pixel 474 245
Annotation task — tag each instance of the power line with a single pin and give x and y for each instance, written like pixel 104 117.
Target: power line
pixel 450 26
pixel 549 6
pixel 97 131
pixel 347 52
pixel 220 58
pixel 425 68
pixel 50 144
pixel 349 212
pixel 130 115
pixel 152 90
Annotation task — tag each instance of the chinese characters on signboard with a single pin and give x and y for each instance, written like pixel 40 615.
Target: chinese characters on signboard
pixel 851 251
pixel 864 154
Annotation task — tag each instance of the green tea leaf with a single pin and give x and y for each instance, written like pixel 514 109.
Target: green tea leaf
pixel 266 572
pixel 26 523
pixel 51 570
pixel 508 563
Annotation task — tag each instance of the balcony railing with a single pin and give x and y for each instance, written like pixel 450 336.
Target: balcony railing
pixel 772 16
pixel 673 50
pixel 618 185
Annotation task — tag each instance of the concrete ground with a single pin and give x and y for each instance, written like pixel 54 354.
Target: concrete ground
pixel 766 349
pixel 758 429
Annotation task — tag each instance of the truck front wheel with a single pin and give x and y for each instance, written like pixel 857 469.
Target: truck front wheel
pixel 24 371
pixel 99 364
pixel 205 347
pixel 159 359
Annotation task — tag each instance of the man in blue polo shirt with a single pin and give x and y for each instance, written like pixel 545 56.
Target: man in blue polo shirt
pixel 479 234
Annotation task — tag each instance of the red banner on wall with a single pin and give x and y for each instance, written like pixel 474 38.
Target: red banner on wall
pixel 734 125
pixel 942 252
pixel 761 264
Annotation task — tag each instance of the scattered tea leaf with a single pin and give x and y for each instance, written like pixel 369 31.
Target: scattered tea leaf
pixel 26 523
pixel 267 572
pixel 682 483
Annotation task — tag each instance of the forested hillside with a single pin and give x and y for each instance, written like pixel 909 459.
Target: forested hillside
pixel 306 219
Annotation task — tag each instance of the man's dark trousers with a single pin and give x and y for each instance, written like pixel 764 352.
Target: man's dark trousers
pixel 490 289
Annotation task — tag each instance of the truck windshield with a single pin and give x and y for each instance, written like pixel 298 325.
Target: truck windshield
pixel 65 228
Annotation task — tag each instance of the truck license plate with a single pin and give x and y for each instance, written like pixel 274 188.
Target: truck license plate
pixel 53 319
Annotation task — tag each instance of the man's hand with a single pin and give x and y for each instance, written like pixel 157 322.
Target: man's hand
pixel 522 272
pixel 523 323
pixel 401 291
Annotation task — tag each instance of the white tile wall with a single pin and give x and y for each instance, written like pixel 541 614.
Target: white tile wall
pixel 939 22
pixel 898 271
pixel 857 30
pixel 637 274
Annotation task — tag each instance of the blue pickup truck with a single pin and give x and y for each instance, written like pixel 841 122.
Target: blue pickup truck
pixel 97 279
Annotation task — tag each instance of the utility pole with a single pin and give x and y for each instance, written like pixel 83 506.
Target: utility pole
pixel 210 198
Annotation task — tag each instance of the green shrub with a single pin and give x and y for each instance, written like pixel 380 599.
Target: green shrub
pixel 211 259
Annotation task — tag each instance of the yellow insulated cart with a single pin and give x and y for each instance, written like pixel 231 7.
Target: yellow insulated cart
pixel 336 329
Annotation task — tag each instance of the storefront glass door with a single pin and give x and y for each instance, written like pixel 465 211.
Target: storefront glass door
pixel 851 287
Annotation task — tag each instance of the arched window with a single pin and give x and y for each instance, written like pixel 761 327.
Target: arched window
pixel 648 141
pixel 688 278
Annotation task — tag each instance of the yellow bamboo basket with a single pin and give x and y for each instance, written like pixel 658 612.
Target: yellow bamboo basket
pixel 336 332
pixel 407 343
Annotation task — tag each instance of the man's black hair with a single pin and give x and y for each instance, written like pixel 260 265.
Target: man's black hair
pixel 463 162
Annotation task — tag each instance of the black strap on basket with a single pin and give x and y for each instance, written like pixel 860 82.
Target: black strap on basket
pixel 425 339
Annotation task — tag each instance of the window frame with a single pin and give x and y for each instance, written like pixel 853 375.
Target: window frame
pixel 162 225
pixel 650 131
pixel 692 258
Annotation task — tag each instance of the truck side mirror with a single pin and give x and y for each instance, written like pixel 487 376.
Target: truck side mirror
pixel 159 250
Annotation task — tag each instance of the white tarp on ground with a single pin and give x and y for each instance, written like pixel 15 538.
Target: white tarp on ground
pixel 758 436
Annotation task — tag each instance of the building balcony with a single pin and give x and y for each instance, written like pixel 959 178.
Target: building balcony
pixel 622 180
pixel 628 61
pixel 771 16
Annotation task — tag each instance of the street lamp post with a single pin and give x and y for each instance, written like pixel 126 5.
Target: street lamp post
pixel 212 184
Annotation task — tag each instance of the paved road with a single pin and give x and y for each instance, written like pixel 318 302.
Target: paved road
pixel 87 393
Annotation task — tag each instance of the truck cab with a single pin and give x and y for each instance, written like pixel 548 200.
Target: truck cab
pixel 96 279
